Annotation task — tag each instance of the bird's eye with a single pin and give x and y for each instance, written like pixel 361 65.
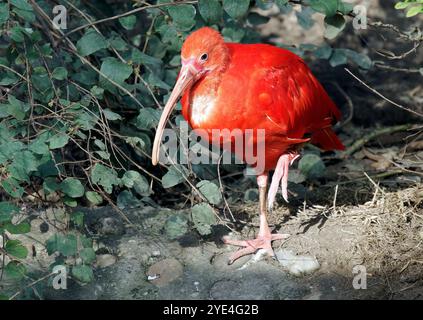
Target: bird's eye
pixel 204 57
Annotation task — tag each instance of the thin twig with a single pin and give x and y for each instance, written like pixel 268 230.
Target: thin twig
pixel 382 96
pixel 374 134
pixel 129 13
pixel 31 285
pixel 222 190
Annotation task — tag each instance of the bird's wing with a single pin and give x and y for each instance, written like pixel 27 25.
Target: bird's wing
pixel 284 94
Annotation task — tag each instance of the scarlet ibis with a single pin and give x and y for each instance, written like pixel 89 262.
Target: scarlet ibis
pixel 253 86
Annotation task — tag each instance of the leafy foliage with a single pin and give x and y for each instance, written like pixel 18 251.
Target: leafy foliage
pixel 413 7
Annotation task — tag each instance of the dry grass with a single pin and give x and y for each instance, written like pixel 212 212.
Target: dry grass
pixel 385 234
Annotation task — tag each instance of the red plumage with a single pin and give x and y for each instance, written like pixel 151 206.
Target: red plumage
pixel 267 87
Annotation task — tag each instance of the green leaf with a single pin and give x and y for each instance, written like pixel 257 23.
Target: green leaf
pixel 256 19
pixel 12 187
pixel 128 22
pixel 338 58
pixel 77 218
pixel 100 144
pixel 8 79
pixel 415 10
pixel 91 42
pixel 58 141
pixel 334 25
pixel 16 249
pixel 110 115
pixel 6 211
pixel 210 10
pixel 139 57
pixel 154 81
pixel 21 228
pixel 94 197
pixel 87 255
pixel 72 187
pixel 4 12
pixel 296 176
pixel 97 92
pixel 39 146
pixel 305 20
pixel 50 185
pixel 233 34
pixel 210 191
pixel 118 43
pixel 311 165
pixel 86 242
pixel 103 154
pixel 64 244
pixel 324 52
pixel 115 70
pixel 137 142
pixel 23 164
pixel 21 4
pixel 70 202
pixel 9 149
pixel 236 8
pixel 133 179
pixel 362 60
pixel 264 4
pixel 15 270
pixel 16 108
pixel 126 199
pixel 345 7
pixel 83 273
pixel 17 34
pixel 148 118
pixel 402 5
pixel 174 176
pixel 28 16
pixel 203 217
pixel 176 226
pixel 283 6
pixel 60 73
pixel 183 16
pixel 105 177
pixel 327 7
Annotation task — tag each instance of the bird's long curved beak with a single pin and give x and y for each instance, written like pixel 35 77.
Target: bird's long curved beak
pixel 185 80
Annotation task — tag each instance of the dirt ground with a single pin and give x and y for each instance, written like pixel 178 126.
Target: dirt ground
pixel 141 262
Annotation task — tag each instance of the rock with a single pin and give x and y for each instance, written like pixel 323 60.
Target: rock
pixel 105 260
pixel 297 265
pixel 164 272
pixel 155 253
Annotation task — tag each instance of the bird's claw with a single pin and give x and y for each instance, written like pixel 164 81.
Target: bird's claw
pixel 251 246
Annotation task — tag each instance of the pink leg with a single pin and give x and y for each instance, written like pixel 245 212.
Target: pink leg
pixel 281 177
pixel 265 237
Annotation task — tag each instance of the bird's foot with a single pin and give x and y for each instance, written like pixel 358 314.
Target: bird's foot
pixel 251 246
pixel 280 177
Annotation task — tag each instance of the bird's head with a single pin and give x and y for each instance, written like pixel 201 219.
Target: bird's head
pixel 203 53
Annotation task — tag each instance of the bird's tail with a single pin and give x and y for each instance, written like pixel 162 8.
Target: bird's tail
pixel 326 139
